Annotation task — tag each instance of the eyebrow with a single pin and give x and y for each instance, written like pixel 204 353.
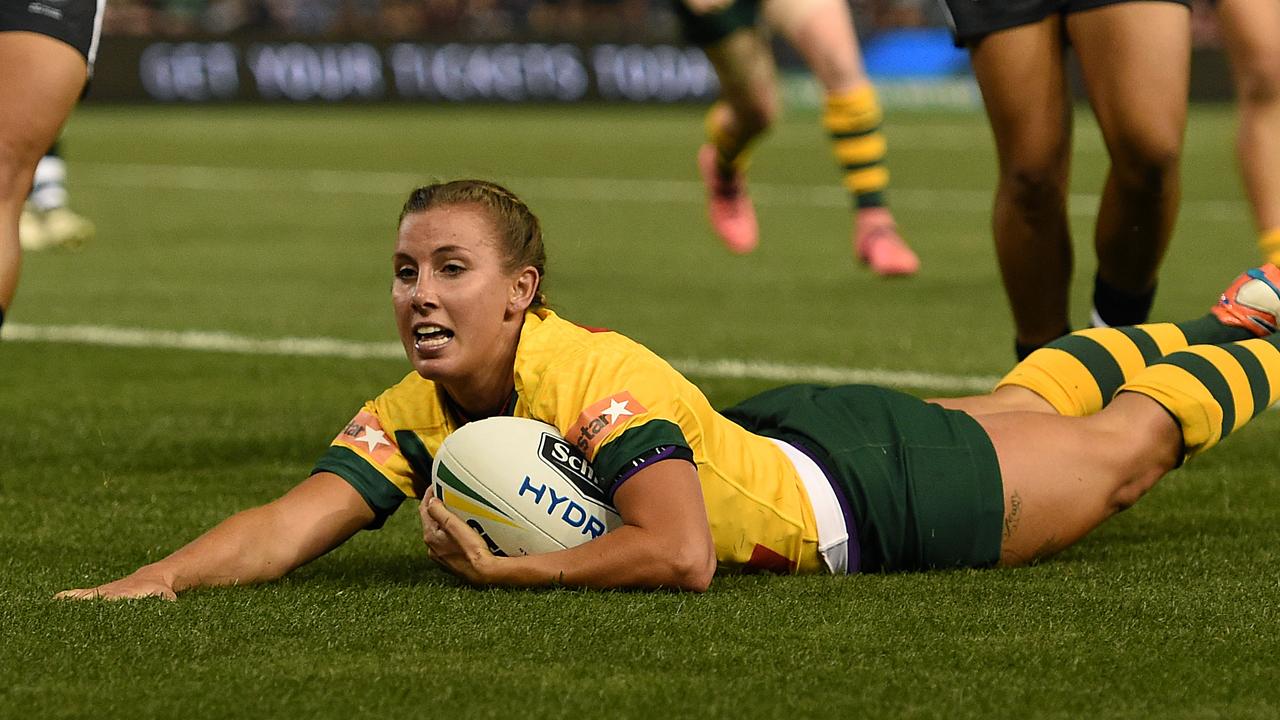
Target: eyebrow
pixel 450 249
pixel 445 250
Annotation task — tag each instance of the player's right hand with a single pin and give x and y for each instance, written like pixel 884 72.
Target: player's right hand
pixel 126 588
pixel 706 7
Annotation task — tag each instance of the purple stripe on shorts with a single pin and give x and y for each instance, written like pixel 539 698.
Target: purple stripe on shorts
pixel 854 550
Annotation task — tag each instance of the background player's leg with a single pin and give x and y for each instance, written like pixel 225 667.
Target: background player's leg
pixel 48 221
pixel 1135 57
pixel 40 81
pixel 747 107
pixel 822 32
pixel 748 104
pixel 1251 31
pixel 1024 88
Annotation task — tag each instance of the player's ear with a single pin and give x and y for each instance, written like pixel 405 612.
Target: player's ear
pixel 524 289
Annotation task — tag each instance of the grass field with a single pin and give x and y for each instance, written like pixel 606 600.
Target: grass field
pixel 229 230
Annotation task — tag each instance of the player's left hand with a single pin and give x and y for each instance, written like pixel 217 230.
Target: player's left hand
pixel 453 544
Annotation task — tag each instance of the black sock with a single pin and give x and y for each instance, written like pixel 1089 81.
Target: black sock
pixel 1 317
pixel 1118 308
pixel 1022 350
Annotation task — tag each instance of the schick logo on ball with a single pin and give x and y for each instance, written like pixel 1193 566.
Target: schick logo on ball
pixel 573 514
pixel 572 465
pixel 493 546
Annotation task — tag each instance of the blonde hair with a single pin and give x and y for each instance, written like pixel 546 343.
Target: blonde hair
pixel 518 229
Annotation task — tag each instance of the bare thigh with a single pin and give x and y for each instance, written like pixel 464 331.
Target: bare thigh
pixel 1064 476
pixel 1022 74
pixel 824 37
pixel 1010 398
pixel 1136 57
pixel 1251 35
pixel 40 82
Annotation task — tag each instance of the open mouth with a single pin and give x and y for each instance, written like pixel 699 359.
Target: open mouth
pixel 431 337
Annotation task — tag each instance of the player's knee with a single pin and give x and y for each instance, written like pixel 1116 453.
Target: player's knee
pixel 17 163
pixel 1137 471
pixel 1147 160
pixel 1258 82
pixel 1035 188
pixel 758 115
pixel 1126 497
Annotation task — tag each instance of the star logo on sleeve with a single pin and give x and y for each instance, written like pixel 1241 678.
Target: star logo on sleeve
pixel 373 437
pixel 615 410
pixel 600 418
pixel 364 434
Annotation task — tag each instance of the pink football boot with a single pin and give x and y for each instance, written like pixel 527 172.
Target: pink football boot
pixel 879 246
pixel 728 205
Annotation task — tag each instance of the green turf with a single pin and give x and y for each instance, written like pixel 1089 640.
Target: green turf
pixel 273 223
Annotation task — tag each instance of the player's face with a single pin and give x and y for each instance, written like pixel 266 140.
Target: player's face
pixel 458 310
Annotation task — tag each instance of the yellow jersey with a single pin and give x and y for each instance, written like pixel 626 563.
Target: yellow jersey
pixel 622 406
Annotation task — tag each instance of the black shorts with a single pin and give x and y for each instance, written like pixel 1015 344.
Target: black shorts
pixel 922 482
pixel 77 23
pixel 972 20
pixel 707 30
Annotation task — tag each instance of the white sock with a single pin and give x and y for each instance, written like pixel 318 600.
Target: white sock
pixel 49 190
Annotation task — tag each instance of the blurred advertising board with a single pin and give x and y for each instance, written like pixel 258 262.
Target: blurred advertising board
pixel 314 71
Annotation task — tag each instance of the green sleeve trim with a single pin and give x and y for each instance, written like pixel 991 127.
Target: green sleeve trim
pixel 381 494
pixel 616 455
pixel 413 450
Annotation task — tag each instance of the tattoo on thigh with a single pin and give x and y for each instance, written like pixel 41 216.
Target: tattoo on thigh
pixel 1014 515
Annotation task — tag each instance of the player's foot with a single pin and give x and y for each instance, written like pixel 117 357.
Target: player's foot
pixel 732 215
pixel 59 227
pixel 1252 301
pixel 879 246
pixel 30 230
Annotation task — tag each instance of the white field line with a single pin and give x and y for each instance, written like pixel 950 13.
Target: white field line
pixel 220 342
pixel 629 190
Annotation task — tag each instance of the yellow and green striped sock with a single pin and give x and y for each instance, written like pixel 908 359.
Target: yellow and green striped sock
pixel 734 151
pixel 1078 374
pixel 853 120
pixel 1213 390
pixel 1269 244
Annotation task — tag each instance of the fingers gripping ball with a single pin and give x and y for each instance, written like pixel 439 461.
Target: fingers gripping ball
pixel 521 486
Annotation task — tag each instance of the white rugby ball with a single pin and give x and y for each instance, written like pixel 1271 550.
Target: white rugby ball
pixel 521 485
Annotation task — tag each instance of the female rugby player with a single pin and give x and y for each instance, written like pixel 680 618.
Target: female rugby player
pixel 800 479
pixel 47 49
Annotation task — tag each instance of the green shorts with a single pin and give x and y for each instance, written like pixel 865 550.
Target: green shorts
pixel 707 30
pixel 922 482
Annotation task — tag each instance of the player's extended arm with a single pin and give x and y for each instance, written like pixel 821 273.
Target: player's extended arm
pixel 664 541
pixel 255 545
